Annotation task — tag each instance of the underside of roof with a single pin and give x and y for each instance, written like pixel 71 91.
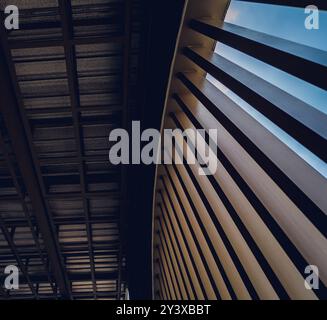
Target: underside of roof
pixel 68 77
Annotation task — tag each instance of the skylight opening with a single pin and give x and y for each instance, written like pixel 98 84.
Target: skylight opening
pixel 286 23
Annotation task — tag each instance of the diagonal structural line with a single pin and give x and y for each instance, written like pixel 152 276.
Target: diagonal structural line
pixel 3 292
pixel 65 9
pixel 25 208
pixel 14 250
pixel 19 131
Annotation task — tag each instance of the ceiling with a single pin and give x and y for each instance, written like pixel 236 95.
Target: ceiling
pixel 68 77
pixel 76 226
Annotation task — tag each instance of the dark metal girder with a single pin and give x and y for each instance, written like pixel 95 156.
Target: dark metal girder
pixel 304 62
pixel 77 295
pixel 78 23
pixel 100 276
pixel 60 122
pixel 10 110
pixel 212 98
pixel 321 4
pixel 15 253
pixel 80 253
pixel 24 44
pixel 66 14
pixel 75 220
pixel 66 110
pixel 22 200
pixel 300 120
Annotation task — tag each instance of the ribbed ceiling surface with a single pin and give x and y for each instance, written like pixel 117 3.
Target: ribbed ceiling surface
pixel 71 69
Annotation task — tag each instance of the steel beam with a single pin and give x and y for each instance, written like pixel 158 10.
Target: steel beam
pixel 321 4
pixel 215 102
pixel 304 62
pixel 76 277
pixel 11 107
pixel 21 198
pixel 24 44
pixel 66 14
pixel 15 253
pixel 297 118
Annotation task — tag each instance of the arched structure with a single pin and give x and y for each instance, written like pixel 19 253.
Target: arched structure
pixel 249 230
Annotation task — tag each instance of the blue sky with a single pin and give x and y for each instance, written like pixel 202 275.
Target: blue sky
pixel 280 21
pixel 286 23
